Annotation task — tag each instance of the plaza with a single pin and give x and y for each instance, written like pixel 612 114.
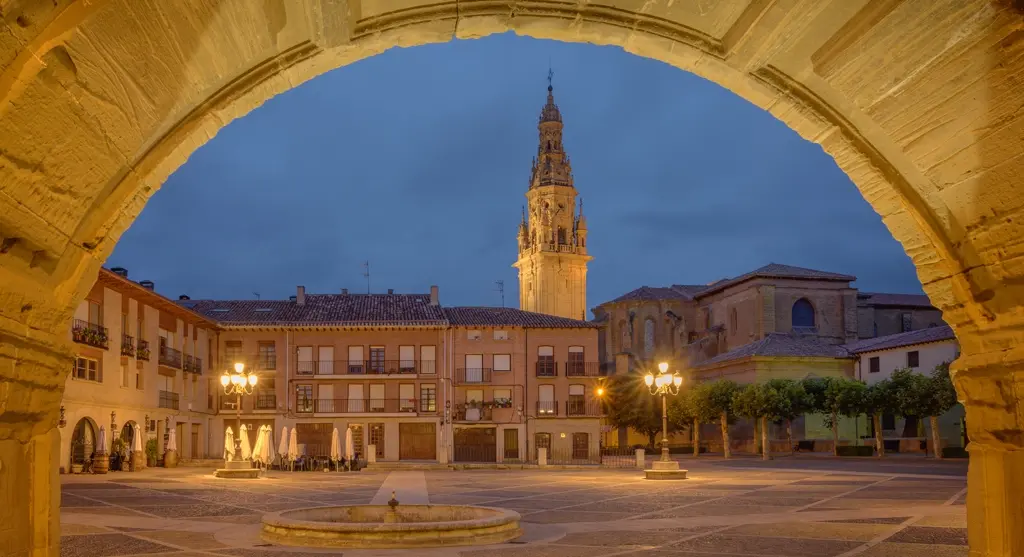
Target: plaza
pixel 796 507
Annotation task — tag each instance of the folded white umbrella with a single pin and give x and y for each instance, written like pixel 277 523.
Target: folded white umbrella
pixel 282 449
pixel 243 437
pixel 258 445
pixel 137 440
pixel 293 445
pixel 172 442
pixel 101 442
pixel 335 446
pixel 267 448
pixel 229 444
pixel 349 450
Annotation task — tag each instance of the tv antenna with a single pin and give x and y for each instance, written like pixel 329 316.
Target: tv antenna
pixel 366 273
pixel 257 294
pixel 501 290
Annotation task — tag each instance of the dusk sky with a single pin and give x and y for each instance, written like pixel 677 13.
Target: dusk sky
pixel 418 161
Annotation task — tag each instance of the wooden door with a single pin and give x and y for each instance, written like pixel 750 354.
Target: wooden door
pixel 377 439
pixel 417 441
pixel 477 444
pixel 194 445
pixel 512 443
pixel 580 446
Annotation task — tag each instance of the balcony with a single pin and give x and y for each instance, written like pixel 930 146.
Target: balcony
pixel 263 362
pixel 547 368
pixel 91 334
pixel 583 369
pixel 192 364
pixel 364 367
pixel 547 408
pixel 266 401
pixel 168 400
pixel 580 407
pixel 228 402
pixel 169 357
pixel 127 345
pixel 472 375
pixel 364 406
pixel 143 351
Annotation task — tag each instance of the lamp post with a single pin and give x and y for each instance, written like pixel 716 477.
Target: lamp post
pixel 663 384
pixel 238 383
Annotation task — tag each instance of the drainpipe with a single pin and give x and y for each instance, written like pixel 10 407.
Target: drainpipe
pixel 526 390
pixel 287 372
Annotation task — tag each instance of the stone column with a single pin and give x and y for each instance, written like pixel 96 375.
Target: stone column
pixel 33 368
pixel 992 397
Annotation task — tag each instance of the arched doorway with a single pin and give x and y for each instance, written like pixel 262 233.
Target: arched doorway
pixel 83 443
pixel 916 105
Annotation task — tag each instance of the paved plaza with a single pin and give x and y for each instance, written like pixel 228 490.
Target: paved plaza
pixel 787 507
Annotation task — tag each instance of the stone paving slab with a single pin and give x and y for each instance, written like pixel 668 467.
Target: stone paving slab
pixel 930 535
pixel 184 539
pixel 756 545
pixel 887 549
pixel 101 545
pixel 819 530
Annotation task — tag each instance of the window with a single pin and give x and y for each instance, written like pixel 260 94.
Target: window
pixel 141 326
pixel 407 359
pixel 87 369
pixel 376 359
pixel 232 352
pixel 546 404
pixel 474 395
pixel 266 353
pixel 304 364
pixel 503 398
pixel 502 362
pixel 95 313
pixel 138 378
pixel 543 441
pixel 874 365
pixel 355 398
pixel 803 315
pixel 546 361
pixel 428 398
pixel 473 335
pixel 913 359
pixel 906 322
pixel 575 366
pixel 125 377
pixel 304 398
pixel 733 321
pixel 577 399
pixel 474 368
pixel 500 335
pixel 407 397
pixel 427 358
pixel 561 235
pixel 649 337
pixel 355 359
pixel 377 397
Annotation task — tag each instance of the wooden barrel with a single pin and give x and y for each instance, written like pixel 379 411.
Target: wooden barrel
pixel 101 463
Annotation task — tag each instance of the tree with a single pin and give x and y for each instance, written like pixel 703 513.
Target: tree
pixel 717 397
pixel 834 397
pixel 792 402
pixel 682 414
pixel 754 401
pixel 631 405
pixel 702 409
pixel 883 398
pixel 929 396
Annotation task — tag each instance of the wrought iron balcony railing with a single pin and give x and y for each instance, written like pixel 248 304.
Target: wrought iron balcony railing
pixel 364 367
pixel 169 357
pixel 472 375
pixel 547 368
pixel 142 353
pixel 583 407
pixel 547 408
pixel 92 334
pixel 127 345
pixel 364 405
pixel 583 369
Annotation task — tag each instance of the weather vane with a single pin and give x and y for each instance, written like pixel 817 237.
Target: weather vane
pixel 551 74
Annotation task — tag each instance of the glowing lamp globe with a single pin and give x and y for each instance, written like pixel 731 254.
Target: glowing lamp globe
pixel 239 366
pixel 252 380
pixel 677 380
pixel 224 380
pixel 663 367
pixel 649 379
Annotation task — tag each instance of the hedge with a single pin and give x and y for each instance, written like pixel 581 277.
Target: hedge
pixel 856 450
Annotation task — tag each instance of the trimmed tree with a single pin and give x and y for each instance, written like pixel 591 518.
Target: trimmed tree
pixel 754 401
pixel 682 414
pixel 793 402
pixel 718 397
pixel 929 396
pixel 631 405
pixel 840 397
pixel 882 398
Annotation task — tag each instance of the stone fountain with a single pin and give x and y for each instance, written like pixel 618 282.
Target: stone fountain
pixel 391 526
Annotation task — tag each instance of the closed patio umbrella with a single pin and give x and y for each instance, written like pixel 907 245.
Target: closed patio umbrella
pixel 137 439
pixel 335 447
pixel 258 445
pixel 271 451
pixel 282 447
pixel 101 442
pixel 267 448
pixel 229 445
pixel 172 442
pixel 243 437
pixel 350 452
pixel 293 445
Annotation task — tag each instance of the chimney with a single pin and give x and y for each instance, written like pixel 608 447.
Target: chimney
pixel 344 291
pixel 120 271
pixel 184 297
pixel 300 296
pixel 391 290
pixel 147 284
pixel 433 296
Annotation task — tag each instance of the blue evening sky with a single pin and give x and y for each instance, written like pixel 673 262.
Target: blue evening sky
pixel 418 160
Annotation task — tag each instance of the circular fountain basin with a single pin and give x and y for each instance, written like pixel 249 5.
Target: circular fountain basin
pixel 377 526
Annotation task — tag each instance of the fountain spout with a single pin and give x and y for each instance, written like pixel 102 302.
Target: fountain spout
pixel 393 502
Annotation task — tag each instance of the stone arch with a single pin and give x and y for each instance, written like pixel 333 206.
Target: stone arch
pixel 93 125
pixel 84 439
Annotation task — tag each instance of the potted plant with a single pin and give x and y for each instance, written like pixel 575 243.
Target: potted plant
pixel 151 453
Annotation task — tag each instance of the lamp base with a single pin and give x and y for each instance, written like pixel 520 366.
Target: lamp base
pixel 665 470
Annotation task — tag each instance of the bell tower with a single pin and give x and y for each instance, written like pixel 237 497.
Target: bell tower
pixel 552 234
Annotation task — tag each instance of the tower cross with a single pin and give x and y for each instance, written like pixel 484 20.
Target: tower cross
pixel 551 75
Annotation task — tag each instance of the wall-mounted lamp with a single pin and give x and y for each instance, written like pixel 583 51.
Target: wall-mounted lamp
pixel 113 422
pixel 145 424
pixel 62 422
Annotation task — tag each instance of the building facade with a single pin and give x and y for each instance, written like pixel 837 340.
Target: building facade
pixel 552 235
pixel 140 360
pixel 414 380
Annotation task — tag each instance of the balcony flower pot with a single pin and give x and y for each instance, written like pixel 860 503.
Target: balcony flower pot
pixel 171 459
pixel 151 454
pixel 100 464
pixel 76 468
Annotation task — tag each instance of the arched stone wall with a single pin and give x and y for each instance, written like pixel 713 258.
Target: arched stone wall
pixel 918 101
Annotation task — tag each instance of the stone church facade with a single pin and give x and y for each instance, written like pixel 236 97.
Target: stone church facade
pixel 552 235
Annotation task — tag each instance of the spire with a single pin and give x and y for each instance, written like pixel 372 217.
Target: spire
pixel 550 112
pixel 551 166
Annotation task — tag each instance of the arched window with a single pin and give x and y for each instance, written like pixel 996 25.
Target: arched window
pixel 561 235
pixel 649 337
pixel 733 321
pixel 803 314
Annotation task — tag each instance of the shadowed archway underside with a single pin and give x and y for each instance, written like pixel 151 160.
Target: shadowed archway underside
pixel 919 102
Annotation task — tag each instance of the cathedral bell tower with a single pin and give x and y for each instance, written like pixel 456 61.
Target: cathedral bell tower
pixel 552 235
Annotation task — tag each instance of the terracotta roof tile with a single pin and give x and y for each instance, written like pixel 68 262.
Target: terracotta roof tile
pixel 781 345
pixel 652 293
pixel 491 316
pixel 899 300
pixel 324 309
pixel 909 338
pixel 778 270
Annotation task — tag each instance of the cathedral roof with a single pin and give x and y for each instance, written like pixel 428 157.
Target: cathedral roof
pixel 654 293
pixel 778 271
pixel 894 300
pixel 910 338
pixel 511 317
pixel 782 345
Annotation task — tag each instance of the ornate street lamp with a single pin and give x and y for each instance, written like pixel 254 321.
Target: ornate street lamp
pixel 665 384
pixel 238 383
